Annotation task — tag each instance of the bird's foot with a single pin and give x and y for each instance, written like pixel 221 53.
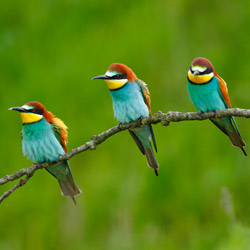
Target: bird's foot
pixel 215 112
pixel 140 119
pixel 119 126
pixel 201 114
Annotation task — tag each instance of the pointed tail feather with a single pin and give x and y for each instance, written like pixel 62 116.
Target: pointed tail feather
pixel 142 139
pixel 237 141
pixel 152 162
pixel 62 173
pixel 234 136
pixel 69 188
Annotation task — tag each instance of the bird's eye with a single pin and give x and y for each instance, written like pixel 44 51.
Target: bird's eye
pixel 208 70
pixel 205 71
pixel 32 110
pixel 116 76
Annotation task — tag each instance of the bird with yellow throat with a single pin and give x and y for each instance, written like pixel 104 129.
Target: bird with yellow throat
pixel 208 92
pixel 44 139
pixel 131 101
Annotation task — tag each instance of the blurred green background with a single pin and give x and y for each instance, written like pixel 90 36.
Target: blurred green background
pixel 49 52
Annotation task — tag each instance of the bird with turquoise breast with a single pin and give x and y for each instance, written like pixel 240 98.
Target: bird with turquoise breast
pixel 208 92
pixel 131 101
pixel 44 139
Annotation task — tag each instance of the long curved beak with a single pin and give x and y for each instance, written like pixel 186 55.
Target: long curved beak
pixel 100 77
pixel 196 72
pixel 19 109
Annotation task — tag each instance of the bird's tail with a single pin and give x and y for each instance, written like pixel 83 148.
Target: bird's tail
pixel 237 141
pixel 141 137
pixel 64 176
pixel 228 126
pixel 152 162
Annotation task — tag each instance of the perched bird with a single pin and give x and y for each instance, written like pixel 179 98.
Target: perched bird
pixel 131 101
pixel 44 139
pixel 208 92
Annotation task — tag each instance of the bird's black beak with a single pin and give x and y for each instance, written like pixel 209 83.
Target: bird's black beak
pixel 196 72
pixel 100 77
pixel 19 109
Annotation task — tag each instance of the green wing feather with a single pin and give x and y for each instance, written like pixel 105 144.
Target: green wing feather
pixel 145 93
pixel 62 170
pixel 228 125
pixel 146 96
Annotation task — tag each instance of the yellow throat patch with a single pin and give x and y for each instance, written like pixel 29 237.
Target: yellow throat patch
pixel 200 79
pixel 116 84
pixel 30 118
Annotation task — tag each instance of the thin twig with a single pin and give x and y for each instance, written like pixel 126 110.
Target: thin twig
pixel 159 117
pixel 18 185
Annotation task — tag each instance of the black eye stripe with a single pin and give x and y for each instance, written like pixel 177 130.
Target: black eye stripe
pixel 119 76
pixel 207 71
pixel 35 111
pixel 39 111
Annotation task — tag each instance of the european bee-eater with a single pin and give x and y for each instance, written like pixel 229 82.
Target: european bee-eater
pixel 208 92
pixel 44 139
pixel 131 101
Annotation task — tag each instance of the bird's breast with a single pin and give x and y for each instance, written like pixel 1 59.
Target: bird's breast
pixel 39 143
pixel 128 103
pixel 206 97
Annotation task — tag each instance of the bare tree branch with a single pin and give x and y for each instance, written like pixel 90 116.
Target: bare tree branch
pixel 159 117
pixel 18 185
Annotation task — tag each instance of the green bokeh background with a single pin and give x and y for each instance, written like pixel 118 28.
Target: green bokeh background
pixel 50 50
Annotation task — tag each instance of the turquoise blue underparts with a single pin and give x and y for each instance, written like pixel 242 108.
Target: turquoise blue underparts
pixel 208 97
pixel 39 142
pixel 129 105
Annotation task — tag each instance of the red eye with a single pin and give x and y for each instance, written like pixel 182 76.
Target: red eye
pixel 32 110
pixel 117 76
